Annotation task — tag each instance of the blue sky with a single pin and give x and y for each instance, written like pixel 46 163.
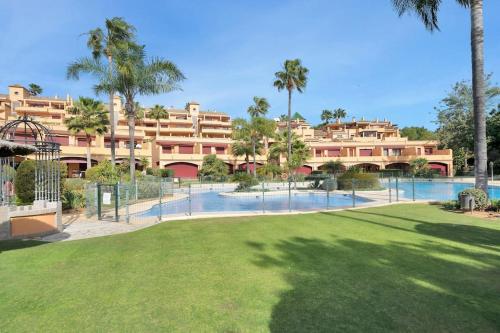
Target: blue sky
pixel 361 56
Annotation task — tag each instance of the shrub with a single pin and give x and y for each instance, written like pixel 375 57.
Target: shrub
pixel 103 173
pixel 451 204
pixel 75 184
pixel 495 205
pixel 166 173
pixel 24 182
pixel 362 181
pixel 316 177
pixel 245 181
pixel 480 197
pixel 8 172
pixel 73 199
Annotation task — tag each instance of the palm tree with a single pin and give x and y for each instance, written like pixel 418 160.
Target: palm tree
pixel 339 113
pixel 326 116
pixel 135 75
pixel 260 107
pixel 158 112
pixel 300 152
pixel 242 148
pixel 34 89
pixel 428 10
pixel 333 167
pixel 117 34
pixel 292 77
pixel 89 117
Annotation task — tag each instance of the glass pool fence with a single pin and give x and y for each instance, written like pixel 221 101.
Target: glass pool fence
pixel 161 198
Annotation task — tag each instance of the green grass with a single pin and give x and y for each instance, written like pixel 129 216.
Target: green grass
pixel 402 268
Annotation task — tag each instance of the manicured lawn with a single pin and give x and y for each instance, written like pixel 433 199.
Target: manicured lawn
pixel 403 268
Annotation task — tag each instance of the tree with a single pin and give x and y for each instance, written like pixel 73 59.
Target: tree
pixel 213 167
pixel 253 132
pixel 455 119
pixel 293 76
pixel 419 166
pixel 300 152
pixel 428 10
pixel 333 167
pixel 417 133
pixel 242 148
pixel 135 75
pixel 158 112
pixel 34 89
pixel 326 116
pixel 260 107
pixel 339 113
pixel 89 117
pixel 117 34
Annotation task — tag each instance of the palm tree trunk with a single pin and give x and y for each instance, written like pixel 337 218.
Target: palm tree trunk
pixel 89 160
pixel 254 163
pixel 111 113
pixel 157 128
pixel 247 160
pixel 480 148
pixel 289 142
pixel 131 132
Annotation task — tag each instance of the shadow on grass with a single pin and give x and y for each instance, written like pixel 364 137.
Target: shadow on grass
pixel 467 234
pixel 8 245
pixel 351 285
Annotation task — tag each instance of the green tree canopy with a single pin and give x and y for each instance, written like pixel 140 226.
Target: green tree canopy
pixel 417 133
pixel 34 89
pixel 213 167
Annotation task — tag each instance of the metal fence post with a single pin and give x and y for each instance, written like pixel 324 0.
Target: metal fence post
pixel 413 186
pixel 189 198
pixel 116 203
pixel 161 194
pixel 327 193
pixel 263 202
pixel 397 188
pixel 99 208
pixel 390 190
pixel 127 216
pixel 289 195
pixel 353 181
pixel 136 191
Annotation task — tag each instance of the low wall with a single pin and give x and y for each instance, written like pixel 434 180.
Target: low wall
pixel 30 221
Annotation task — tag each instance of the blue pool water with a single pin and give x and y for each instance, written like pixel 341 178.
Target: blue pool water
pixel 439 191
pixel 212 202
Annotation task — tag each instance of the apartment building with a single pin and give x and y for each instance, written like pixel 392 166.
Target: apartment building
pixel 187 135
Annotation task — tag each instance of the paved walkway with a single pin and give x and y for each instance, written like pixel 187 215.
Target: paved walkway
pixel 78 227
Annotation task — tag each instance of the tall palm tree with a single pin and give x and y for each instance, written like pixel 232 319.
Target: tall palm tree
pixel 135 75
pixel 34 89
pixel 428 10
pixel 292 77
pixel 158 112
pixel 117 34
pixel 260 107
pixel 326 116
pixel 339 113
pixel 89 117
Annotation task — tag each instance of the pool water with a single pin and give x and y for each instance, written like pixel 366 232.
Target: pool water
pixel 212 202
pixel 439 191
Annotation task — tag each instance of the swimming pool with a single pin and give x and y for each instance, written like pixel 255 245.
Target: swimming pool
pixel 212 202
pixel 437 190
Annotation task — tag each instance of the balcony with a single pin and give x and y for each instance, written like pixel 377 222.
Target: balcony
pixel 215 122
pixel 216 131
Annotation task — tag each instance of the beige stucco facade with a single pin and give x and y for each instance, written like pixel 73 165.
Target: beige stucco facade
pixel 190 133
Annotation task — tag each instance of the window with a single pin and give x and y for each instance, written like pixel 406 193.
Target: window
pixel 428 151
pixel 186 149
pixel 318 152
pixel 207 150
pixel 219 150
pixel 386 151
pixel 166 149
pixel 396 151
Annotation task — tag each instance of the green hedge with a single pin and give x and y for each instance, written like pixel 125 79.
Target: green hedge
pixel 24 182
